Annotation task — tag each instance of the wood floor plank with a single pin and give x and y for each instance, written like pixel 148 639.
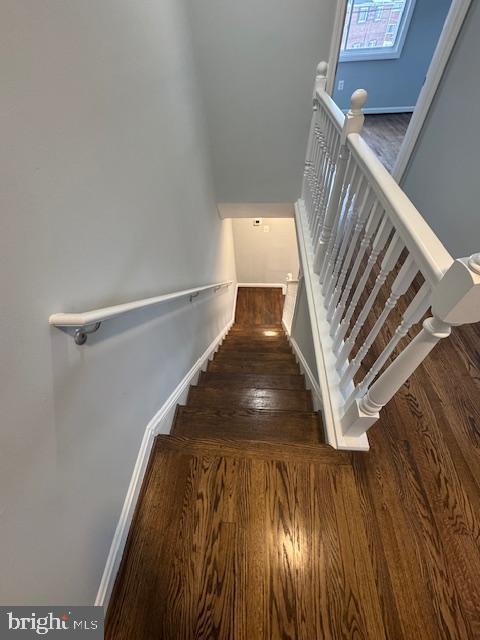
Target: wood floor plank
pixel 243 538
pixel 256 449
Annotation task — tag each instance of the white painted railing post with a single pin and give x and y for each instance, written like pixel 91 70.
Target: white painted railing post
pixel 319 84
pixel 455 301
pixel 353 124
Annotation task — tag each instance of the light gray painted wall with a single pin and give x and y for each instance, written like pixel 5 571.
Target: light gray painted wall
pixel 442 178
pixel 99 123
pixel 256 64
pixel 302 329
pixel 265 257
pixel 397 83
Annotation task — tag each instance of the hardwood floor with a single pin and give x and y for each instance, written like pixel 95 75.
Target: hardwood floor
pixel 258 305
pixel 385 133
pixel 249 527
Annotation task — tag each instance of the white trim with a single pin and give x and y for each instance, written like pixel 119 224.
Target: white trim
pixel 446 42
pixel 380 110
pixel 333 400
pixel 364 54
pixel 160 423
pixel 86 318
pixel 264 285
pixel 335 44
pixel 310 380
pixel 451 29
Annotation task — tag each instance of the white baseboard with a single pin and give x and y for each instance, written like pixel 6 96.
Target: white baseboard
pixel 160 423
pixel 311 382
pixel 264 285
pixel 379 110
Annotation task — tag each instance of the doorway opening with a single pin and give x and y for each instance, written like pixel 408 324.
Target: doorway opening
pixel 386 47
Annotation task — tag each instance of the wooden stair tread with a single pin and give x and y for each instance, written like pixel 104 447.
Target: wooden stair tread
pixel 259 449
pixel 293 399
pixel 256 355
pixel 257 380
pixel 255 345
pixel 248 424
pixel 252 366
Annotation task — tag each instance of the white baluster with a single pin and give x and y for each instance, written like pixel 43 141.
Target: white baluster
pixel 402 282
pixel 353 124
pixel 455 301
pixel 390 259
pixel 413 314
pixel 351 219
pixel 349 249
pixel 337 234
pixel 378 246
pixel 370 229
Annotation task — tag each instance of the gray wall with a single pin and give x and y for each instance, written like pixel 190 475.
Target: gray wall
pixel 443 176
pixel 397 83
pixel 265 257
pixel 99 123
pixel 256 65
pixel 302 329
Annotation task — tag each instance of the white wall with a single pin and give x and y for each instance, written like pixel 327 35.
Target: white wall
pixel 408 70
pixel 442 178
pixel 256 65
pixel 265 257
pixel 106 197
pixel 302 329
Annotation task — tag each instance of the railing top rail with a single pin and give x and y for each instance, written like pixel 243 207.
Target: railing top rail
pixel 429 253
pixel 336 114
pixel 87 318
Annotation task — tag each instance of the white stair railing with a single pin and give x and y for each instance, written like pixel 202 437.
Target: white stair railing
pixel 358 231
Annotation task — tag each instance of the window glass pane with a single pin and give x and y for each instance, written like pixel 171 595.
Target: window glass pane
pixel 372 24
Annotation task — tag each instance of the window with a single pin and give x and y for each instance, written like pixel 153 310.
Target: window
pixel 362 15
pixel 375 29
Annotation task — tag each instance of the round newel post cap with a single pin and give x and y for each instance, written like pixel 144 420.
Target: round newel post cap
pixel 358 100
pixel 474 263
pixel 322 68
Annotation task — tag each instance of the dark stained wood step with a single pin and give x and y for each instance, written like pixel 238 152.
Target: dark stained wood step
pixel 253 366
pixel 248 424
pixel 214 397
pixel 256 356
pixel 265 347
pixel 259 449
pixel 250 348
pixel 259 305
pixel 256 329
pixel 253 380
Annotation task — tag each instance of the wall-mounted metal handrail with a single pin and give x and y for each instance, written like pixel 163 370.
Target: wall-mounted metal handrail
pixel 89 321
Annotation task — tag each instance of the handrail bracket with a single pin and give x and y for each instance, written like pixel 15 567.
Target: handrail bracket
pixel 81 334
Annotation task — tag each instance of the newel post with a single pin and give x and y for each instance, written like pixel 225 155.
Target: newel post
pixel 455 301
pixel 319 85
pixel 353 123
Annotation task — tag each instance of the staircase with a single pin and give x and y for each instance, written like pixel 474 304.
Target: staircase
pixel 252 390
pixel 225 501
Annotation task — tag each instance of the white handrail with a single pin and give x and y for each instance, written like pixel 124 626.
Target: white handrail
pixel 363 246
pixel 430 254
pixel 96 316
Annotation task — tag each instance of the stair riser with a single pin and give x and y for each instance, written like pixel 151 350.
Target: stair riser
pixel 248 425
pixel 249 398
pixel 255 346
pixel 255 356
pixel 257 381
pixel 266 367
